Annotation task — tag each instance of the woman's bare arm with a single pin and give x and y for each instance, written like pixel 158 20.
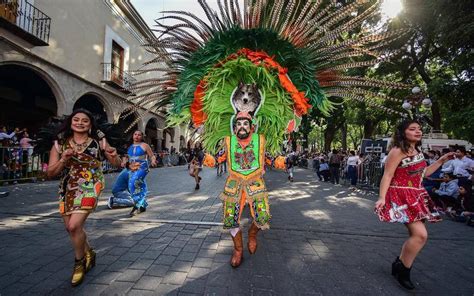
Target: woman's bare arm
pixel 393 160
pixel 434 166
pixel 150 154
pixel 111 154
pixel 57 162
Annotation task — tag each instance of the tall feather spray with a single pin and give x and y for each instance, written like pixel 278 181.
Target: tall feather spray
pixel 310 46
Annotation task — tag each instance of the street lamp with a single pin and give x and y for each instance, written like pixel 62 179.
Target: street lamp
pixel 415 100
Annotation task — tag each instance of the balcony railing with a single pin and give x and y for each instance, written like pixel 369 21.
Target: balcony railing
pixel 25 21
pixel 116 77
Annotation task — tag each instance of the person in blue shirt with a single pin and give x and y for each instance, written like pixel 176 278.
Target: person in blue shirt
pixel 324 170
pixel 447 193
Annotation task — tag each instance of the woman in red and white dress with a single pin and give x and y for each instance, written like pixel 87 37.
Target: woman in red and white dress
pixel 402 197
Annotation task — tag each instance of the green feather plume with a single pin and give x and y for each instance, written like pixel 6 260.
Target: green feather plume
pixel 301 70
pixel 272 118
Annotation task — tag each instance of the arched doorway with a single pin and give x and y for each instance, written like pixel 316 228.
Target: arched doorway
pixel 151 132
pixel 93 104
pixel 26 98
pixel 168 139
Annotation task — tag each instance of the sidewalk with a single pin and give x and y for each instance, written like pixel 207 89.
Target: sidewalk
pixel 324 240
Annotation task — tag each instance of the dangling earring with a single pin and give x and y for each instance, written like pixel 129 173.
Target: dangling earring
pixel 90 130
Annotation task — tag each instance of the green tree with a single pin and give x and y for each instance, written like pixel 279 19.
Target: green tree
pixel 439 58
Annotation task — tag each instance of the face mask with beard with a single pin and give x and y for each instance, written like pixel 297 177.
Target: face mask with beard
pixel 242 135
pixel 242 129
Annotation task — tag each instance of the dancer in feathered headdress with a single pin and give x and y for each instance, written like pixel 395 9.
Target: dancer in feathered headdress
pixel 247 76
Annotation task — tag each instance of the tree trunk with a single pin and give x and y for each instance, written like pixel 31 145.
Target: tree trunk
pixel 369 128
pixel 329 135
pixel 436 116
pixel 328 138
pixel 344 136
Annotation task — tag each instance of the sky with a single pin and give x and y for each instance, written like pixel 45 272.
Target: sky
pixel 150 9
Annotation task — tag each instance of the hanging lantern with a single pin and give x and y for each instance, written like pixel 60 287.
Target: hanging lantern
pixel 407 105
pixel 416 90
pixel 427 102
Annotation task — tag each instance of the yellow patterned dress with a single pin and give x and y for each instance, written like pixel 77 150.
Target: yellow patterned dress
pixel 82 179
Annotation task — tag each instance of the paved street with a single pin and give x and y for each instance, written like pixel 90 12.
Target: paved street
pixel 324 240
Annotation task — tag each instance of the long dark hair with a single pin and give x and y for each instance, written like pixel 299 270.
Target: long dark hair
pixel 66 132
pixel 399 138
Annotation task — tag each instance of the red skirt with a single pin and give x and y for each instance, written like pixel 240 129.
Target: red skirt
pixel 407 205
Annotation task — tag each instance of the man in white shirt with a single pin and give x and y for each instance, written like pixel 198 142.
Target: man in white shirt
pixel 461 167
pixel 352 162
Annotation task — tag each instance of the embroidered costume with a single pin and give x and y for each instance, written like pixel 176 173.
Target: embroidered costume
pixel 139 168
pixel 82 179
pixel 407 200
pixel 245 183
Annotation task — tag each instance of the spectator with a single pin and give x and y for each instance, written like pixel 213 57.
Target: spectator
pixel 334 166
pixel 447 193
pixel 446 168
pixel 25 143
pixel 6 137
pixel 437 154
pixel 352 162
pixel 461 167
pixel 316 163
pixel 324 170
pixel 430 159
pixel 433 181
pixel 467 203
pixel 464 211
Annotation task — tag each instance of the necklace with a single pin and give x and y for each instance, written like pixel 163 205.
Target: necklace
pixel 79 147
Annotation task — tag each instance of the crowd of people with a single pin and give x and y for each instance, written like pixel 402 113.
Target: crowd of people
pixel 16 150
pixel 331 166
pixel 449 186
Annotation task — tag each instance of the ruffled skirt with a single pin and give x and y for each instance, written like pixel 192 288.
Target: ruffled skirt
pixel 407 205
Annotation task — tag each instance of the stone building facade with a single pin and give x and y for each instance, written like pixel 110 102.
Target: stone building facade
pixel 58 55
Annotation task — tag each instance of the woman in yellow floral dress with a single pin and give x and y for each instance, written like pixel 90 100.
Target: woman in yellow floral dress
pixel 77 156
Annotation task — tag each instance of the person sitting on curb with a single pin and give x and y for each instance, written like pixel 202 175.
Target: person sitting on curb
pixel 464 209
pixel 324 170
pixel 447 193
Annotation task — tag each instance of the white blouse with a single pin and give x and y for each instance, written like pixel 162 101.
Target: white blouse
pixel 353 160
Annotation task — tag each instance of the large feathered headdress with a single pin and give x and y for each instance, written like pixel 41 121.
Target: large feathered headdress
pixel 298 53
